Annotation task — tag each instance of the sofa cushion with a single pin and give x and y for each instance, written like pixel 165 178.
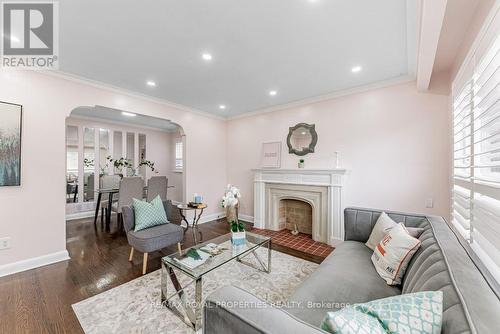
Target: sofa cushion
pixel 347 276
pixel 383 225
pixel 419 312
pixel 393 253
pixel 156 237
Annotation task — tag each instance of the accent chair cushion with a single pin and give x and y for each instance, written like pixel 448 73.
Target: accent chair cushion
pixel 393 253
pixel 155 238
pixel 149 214
pixel 415 313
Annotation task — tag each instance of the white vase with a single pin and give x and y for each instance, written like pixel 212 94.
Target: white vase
pixel 238 238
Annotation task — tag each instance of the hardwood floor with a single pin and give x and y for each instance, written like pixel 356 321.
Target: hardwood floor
pixel 39 300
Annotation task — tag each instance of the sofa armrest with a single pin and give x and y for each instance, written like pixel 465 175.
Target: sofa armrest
pixel 232 310
pixel 359 222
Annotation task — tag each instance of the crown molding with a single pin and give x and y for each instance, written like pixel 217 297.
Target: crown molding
pixel 299 103
pixel 123 91
pixel 321 98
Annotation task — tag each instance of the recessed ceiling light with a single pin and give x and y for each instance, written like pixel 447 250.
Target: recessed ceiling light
pixel 356 69
pixel 273 92
pixel 128 114
pixel 222 107
pixel 303 133
pixel 206 56
pixel 151 83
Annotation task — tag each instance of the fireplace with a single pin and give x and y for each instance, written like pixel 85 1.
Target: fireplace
pixel 295 215
pixel 319 189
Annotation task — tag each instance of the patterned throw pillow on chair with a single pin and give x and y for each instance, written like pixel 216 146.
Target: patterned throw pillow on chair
pixel 149 214
pixel 415 313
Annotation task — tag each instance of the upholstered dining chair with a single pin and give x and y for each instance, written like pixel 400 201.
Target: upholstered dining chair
pixel 89 189
pixel 108 182
pixel 130 188
pixel 151 239
pixel 157 185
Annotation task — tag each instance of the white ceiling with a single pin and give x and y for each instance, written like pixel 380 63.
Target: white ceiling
pixel 300 48
pixel 116 116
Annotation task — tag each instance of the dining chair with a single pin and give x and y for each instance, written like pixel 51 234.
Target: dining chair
pixel 89 189
pixel 108 182
pixel 130 188
pixel 157 185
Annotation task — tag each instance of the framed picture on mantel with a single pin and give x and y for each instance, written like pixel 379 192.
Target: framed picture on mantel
pixel 271 155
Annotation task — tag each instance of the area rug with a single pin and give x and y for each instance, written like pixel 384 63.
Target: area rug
pixel 135 307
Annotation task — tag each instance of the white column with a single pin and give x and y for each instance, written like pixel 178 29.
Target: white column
pixel 81 176
pixel 259 201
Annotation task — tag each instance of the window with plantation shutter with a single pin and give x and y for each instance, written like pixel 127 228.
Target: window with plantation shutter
pixel 476 158
pixel 178 155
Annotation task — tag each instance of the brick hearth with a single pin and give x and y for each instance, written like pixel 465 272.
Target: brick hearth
pixel 301 242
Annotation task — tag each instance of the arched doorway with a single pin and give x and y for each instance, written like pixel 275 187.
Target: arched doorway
pixel 104 141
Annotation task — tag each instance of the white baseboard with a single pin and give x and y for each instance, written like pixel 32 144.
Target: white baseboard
pixel 80 215
pixel 40 261
pixel 211 217
pixel 246 218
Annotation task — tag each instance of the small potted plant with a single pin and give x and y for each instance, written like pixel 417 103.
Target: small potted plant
pixel 301 163
pixel 238 235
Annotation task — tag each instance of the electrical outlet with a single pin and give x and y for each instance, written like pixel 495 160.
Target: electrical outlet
pixel 429 203
pixel 5 243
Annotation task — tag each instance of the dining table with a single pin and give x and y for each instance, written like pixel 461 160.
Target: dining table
pixel 110 192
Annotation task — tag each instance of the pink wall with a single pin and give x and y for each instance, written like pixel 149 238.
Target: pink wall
pixel 394 141
pixel 33 215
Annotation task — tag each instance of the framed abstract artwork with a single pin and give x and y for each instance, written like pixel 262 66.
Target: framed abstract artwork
pixel 271 155
pixel 10 144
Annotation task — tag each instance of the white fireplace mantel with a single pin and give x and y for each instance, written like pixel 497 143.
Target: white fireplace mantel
pixel 322 188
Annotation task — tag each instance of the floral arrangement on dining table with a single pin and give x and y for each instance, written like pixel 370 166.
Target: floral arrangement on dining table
pixel 122 163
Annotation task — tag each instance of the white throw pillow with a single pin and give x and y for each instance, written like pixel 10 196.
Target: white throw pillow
pixel 393 253
pixel 382 226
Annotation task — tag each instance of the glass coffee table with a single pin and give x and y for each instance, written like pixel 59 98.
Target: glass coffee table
pixel 192 309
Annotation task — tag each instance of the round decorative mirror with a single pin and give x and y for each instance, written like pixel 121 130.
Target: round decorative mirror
pixel 302 139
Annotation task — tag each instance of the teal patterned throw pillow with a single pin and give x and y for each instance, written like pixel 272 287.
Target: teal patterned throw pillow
pixel 149 214
pixel 415 313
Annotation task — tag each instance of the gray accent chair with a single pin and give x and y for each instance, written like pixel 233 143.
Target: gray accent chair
pixel 471 298
pixel 157 185
pixel 152 239
pixel 130 188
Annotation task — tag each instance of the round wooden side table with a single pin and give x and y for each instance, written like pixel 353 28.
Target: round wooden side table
pixel 198 211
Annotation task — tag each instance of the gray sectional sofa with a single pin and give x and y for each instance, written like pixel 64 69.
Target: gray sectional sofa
pixel 443 262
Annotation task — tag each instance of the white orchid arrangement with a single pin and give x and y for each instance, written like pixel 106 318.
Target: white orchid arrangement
pixel 231 197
